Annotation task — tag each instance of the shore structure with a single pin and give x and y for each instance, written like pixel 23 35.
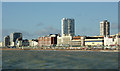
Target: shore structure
pixel 67 39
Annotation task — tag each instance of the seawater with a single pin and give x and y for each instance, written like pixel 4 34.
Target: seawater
pixel 45 59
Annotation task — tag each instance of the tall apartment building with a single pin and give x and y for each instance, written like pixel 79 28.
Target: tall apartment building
pixel 6 41
pixel 15 36
pixel 68 27
pixel 104 28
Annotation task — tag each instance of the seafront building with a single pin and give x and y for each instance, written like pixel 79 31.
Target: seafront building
pixel 64 40
pixel 78 41
pixel 68 27
pixel 50 40
pixel 25 42
pixel 67 32
pixel 112 40
pixel 94 41
pixel 6 41
pixel 105 28
pixel 71 41
pixel 1 44
pixel 15 36
pixel 33 42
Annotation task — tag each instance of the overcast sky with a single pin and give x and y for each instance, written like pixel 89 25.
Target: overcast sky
pixel 36 19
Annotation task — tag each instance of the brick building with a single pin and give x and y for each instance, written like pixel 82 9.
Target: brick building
pixel 50 40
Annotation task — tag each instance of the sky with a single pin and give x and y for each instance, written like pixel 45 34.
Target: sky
pixel 36 19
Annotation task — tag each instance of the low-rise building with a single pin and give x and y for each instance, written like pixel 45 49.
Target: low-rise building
pixel 112 40
pixel 94 41
pixel 64 40
pixel 108 41
pixel 70 40
pixel 1 44
pixel 19 43
pixel 33 42
pixel 12 43
pixel 25 42
pixel 6 41
pixel 77 41
pixel 49 40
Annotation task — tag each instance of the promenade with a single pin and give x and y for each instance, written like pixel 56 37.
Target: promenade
pixel 96 50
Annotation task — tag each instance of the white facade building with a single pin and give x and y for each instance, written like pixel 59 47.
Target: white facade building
pixel 1 44
pixel 108 41
pixel 68 27
pixel 112 40
pixel 64 40
pixel 33 43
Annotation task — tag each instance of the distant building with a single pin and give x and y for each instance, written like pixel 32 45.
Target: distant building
pixel 104 28
pixel 15 36
pixel 78 41
pixel 68 27
pixel 108 41
pixel 33 42
pixel 64 40
pixel 1 44
pixel 112 40
pixel 19 43
pixel 50 40
pixel 119 38
pixel 6 41
pixel 25 42
pixel 70 41
pixel 94 41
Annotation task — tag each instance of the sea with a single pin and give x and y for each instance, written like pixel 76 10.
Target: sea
pixel 51 59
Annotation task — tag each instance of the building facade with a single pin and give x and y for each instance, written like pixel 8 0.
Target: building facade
pixel 104 28
pixel 68 27
pixel 78 41
pixel 112 40
pixel 33 42
pixel 15 36
pixel 6 41
pixel 94 41
pixel 70 41
pixel 25 42
pixel 1 44
pixel 50 40
pixel 64 40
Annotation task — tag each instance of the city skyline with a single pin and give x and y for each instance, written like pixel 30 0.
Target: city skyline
pixel 37 19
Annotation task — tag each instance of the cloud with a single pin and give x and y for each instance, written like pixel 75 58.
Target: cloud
pixel 40 24
pixel 47 30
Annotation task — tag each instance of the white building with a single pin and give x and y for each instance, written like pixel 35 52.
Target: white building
pixel 64 40
pixel 1 44
pixel 104 28
pixel 33 43
pixel 68 27
pixel 94 41
pixel 112 40
pixel 12 43
pixel 108 41
pixel 19 43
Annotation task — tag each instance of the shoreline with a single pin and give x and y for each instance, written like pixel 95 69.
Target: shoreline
pixel 61 50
